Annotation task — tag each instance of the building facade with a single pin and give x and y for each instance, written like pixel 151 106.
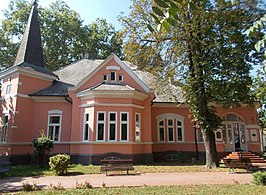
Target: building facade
pixel 92 109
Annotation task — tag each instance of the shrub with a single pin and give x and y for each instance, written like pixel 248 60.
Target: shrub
pixel 57 187
pixel 85 185
pixel 42 145
pixel 29 187
pixel 259 178
pixel 59 163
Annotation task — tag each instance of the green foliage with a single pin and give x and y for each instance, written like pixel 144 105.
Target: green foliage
pixel 259 178
pixel 65 38
pixel 59 163
pixel 42 145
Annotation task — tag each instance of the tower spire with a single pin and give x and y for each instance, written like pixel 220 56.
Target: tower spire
pixel 31 50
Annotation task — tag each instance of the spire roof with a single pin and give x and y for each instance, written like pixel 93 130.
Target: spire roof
pixel 31 50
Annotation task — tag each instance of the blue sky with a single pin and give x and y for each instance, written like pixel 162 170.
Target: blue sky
pixel 89 10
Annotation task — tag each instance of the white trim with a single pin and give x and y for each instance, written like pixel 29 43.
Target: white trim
pixel 158 130
pixel 124 122
pixel 93 104
pixel 86 122
pixel 104 126
pixel 112 122
pixel 54 125
pixel 170 126
pixel 48 99
pixel 105 74
pixel 111 76
pixel 122 76
pixel 55 112
pixel 182 128
pixel 122 65
pixel 139 124
pixel 112 68
pixel 170 115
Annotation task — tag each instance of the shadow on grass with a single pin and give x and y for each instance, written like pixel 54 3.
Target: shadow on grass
pixel 74 173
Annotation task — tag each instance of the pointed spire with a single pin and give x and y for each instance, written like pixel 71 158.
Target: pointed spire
pixel 30 50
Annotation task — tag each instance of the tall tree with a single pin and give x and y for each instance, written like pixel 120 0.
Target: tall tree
pixel 65 38
pixel 204 44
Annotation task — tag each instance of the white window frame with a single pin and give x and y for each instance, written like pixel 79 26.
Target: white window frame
pixel 105 74
pixel 221 132
pixel 161 126
pixel 112 122
pixel 54 125
pixel 182 129
pixel 122 77
pixel 111 75
pixel 173 128
pixel 124 122
pixel 86 122
pixel 104 126
pixel 137 125
pixel 8 89
pixel 4 125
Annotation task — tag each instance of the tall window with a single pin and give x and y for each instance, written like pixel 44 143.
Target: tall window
pixel 112 126
pixel 113 75
pixel 100 126
pixel 179 130
pixel 4 128
pixel 8 89
pixel 137 128
pixel 86 127
pixel 124 126
pixel 54 126
pixel 161 131
pixel 170 127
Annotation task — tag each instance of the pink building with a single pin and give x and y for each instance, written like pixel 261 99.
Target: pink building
pixel 92 109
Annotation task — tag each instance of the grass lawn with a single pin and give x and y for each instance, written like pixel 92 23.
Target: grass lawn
pixel 186 189
pixel 77 169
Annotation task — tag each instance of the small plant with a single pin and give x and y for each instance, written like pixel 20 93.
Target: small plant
pixel 59 163
pixel 42 146
pixel 57 187
pixel 85 185
pixel 29 187
pixel 259 178
pixel 103 185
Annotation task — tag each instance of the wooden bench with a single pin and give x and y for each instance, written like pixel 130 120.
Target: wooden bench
pixel 238 163
pixel 116 164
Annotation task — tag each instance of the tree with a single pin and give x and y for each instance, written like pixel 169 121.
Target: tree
pixel 203 43
pixel 65 38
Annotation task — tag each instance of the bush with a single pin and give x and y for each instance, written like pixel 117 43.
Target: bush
pixel 259 178
pixel 59 163
pixel 29 187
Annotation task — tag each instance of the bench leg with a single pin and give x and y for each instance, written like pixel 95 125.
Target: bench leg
pixel 127 172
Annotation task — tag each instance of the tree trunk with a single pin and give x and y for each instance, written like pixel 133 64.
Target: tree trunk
pixel 210 149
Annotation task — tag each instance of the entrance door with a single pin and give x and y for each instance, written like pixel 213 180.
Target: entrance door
pixel 234 133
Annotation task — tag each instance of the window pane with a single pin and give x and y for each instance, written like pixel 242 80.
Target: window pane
pixel 161 134
pixel 86 117
pixel 170 134
pixel 124 117
pixel 137 117
pixel 56 134
pixel 112 131
pixel 161 123
pixel 100 116
pixel 179 134
pixel 54 119
pixel 51 132
pixel 105 77
pixel 124 132
pixel 179 123
pixel 86 132
pixel 112 117
pixel 5 119
pixel 218 135
pixel 3 135
pixel 170 122
pixel 112 76
pixel 120 77
pixel 100 131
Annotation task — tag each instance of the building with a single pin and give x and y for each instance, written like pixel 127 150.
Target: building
pixel 92 109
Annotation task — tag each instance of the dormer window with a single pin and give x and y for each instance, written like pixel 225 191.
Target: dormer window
pixel 113 75
pixel 105 77
pixel 8 89
pixel 120 77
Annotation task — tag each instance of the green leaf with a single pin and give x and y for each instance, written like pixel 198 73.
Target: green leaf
pixel 155 18
pixel 161 3
pixel 174 7
pixel 158 11
pixel 166 25
pixel 150 28
pixel 257 46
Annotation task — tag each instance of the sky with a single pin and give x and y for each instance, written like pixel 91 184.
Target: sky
pixel 88 10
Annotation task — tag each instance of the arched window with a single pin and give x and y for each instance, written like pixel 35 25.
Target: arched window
pixel 170 128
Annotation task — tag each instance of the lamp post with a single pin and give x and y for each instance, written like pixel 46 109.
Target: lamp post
pixel 196 126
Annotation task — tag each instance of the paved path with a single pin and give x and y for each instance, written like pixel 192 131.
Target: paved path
pixel 148 179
